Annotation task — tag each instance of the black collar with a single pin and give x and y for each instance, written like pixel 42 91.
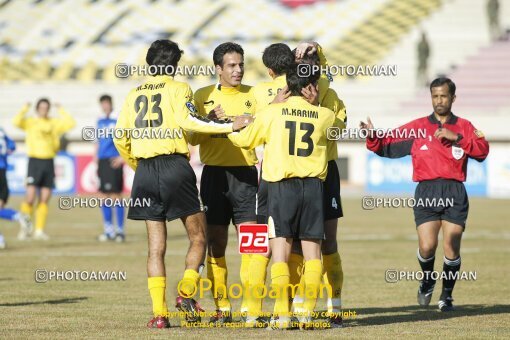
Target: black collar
pixel 452 120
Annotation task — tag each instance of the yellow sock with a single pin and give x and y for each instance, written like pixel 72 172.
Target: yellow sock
pixel 26 208
pixel 244 273
pixel 41 214
pixel 217 272
pixel 333 276
pixel 189 283
pixel 312 276
pixel 257 278
pixel 157 286
pixel 279 282
pixel 295 268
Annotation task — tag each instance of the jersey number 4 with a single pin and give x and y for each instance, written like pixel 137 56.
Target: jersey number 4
pixel 308 128
pixel 142 106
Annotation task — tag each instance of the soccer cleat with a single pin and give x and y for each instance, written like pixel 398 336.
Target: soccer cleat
pixel 305 322
pixel 159 322
pixel 25 224
pixel 190 307
pixel 120 238
pixel 221 317
pixel 253 322
pixel 41 236
pixel 279 322
pixel 105 238
pixel 446 305
pixel 336 322
pixel 425 293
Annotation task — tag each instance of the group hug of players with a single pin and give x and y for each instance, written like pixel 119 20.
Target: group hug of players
pixel 298 194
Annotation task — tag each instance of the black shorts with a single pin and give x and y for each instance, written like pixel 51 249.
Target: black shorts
pixel 262 201
pixel 4 189
pixel 441 199
pixel 332 201
pixel 110 179
pixel 41 172
pixel 229 193
pixel 295 208
pixel 169 183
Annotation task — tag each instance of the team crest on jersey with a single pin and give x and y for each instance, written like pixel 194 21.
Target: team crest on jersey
pixel 248 104
pixel 457 152
pixel 479 134
pixel 191 107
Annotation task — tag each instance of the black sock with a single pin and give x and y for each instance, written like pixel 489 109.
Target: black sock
pixel 427 266
pixel 450 268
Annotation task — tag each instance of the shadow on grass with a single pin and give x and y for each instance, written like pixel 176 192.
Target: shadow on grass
pixel 402 314
pixel 49 302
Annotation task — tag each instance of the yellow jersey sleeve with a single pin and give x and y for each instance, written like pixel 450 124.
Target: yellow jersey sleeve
pixel 254 134
pixel 332 102
pixel 20 120
pixel 123 143
pixel 65 122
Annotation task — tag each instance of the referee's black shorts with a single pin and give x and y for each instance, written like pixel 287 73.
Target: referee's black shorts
pixel 169 184
pixel 4 188
pixel 295 208
pixel 441 199
pixel 229 193
pixel 41 172
pixel 110 178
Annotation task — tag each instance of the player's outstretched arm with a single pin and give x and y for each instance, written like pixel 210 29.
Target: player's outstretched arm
pixel 19 119
pixel 66 122
pixel 388 145
pixel 187 117
pixel 253 135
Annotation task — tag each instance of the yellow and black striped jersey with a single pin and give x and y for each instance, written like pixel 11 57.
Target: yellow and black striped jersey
pixel 159 112
pixel 294 134
pixel 43 134
pixel 217 149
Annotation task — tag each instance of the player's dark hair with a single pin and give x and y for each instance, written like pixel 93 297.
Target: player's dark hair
pixel 105 98
pixel 42 100
pixel 297 82
pixel 441 81
pixel 222 49
pixel 164 53
pixel 279 58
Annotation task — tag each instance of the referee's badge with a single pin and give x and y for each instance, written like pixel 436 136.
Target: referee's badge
pixel 457 152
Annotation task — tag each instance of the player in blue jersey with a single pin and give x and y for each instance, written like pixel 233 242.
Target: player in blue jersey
pixel 7 146
pixel 110 173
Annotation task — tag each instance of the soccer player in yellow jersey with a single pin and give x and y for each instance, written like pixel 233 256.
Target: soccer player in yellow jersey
pixel 43 142
pixel 229 179
pixel 312 54
pixel 162 108
pixel 295 166
pixel 333 273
